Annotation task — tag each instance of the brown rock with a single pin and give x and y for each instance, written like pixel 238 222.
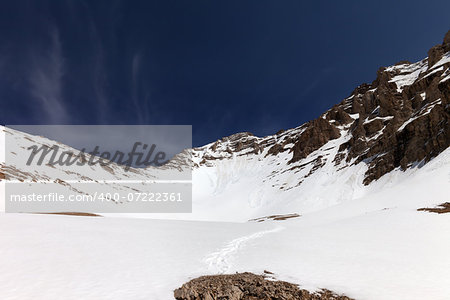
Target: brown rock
pixel 373 126
pixel 339 115
pixel 318 133
pixel 435 54
pixel 441 209
pixel 247 286
pixel 446 42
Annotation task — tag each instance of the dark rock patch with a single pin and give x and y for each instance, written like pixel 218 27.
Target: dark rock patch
pixel 247 286
pixel 440 209
pixel 276 217
pixel 78 214
pixel 317 134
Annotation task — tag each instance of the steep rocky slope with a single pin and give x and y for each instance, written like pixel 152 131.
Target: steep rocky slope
pixel 398 120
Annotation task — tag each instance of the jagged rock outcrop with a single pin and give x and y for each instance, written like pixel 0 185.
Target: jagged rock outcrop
pixel 407 107
pixel 317 134
pixel 436 52
pixel 247 286
pixel 398 120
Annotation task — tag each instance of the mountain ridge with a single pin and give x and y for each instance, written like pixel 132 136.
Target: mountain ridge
pixel 358 147
pixel 387 118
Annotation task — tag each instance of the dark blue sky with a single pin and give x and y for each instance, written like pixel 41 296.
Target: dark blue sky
pixel 222 66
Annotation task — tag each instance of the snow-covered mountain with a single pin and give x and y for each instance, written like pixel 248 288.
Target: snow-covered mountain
pixel 398 122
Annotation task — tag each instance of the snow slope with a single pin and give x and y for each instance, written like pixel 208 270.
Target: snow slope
pixel 367 241
pixel 236 188
pixel 375 247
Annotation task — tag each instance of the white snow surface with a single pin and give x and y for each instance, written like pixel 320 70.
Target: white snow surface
pixel 368 242
pixel 375 247
pixel 408 73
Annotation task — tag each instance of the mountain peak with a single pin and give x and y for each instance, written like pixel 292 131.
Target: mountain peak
pixel 436 52
pixel 397 121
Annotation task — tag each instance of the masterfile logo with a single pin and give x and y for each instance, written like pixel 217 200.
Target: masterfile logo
pixel 98 169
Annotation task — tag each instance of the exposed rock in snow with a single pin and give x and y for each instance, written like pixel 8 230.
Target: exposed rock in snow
pixel 441 209
pixel 247 286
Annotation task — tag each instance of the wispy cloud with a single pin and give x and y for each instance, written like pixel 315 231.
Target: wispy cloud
pixel 46 79
pixel 99 75
pixel 141 112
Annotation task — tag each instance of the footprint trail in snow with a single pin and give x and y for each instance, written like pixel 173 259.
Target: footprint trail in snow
pixel 220 261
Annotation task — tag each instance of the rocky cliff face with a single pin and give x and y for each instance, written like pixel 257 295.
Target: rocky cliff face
pixel 403 114
pixel 397 121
